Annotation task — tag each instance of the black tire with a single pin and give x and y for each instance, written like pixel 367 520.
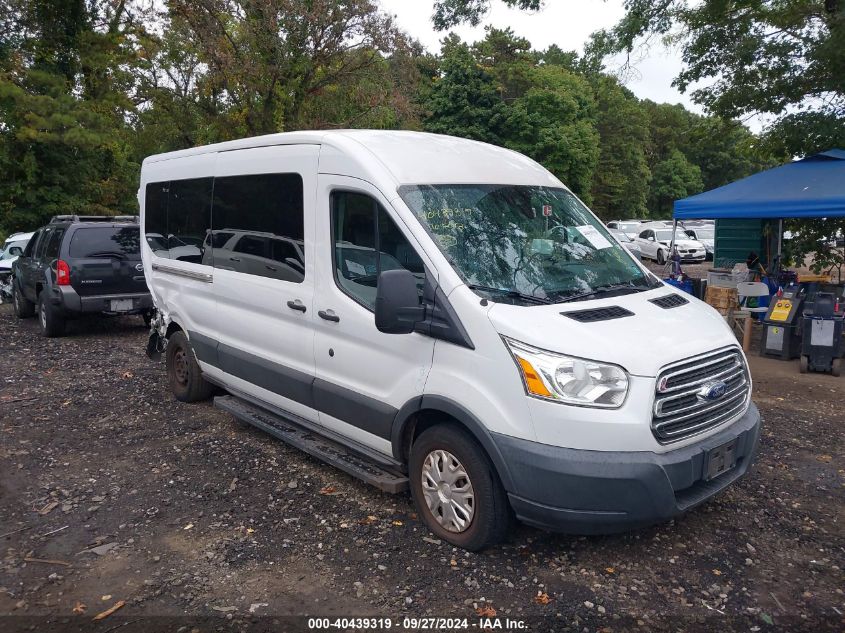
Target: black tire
pixel 803 364
pixel 183 371
pixel 148 318
pixel 661 258
pixel 24 308
pixel 491 516
pixel 50 321
pixel 836 366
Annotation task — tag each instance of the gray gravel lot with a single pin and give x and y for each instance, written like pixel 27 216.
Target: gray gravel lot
pixel 179 512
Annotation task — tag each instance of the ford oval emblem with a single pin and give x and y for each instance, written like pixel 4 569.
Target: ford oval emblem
pixel 713 390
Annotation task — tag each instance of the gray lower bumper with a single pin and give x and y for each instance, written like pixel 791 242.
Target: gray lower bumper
pixel 72 302
pixel 597 492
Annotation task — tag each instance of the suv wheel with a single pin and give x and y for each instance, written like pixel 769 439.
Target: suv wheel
pixel 183 371
pixel 49 320
pixel 456 490
pixel 23 306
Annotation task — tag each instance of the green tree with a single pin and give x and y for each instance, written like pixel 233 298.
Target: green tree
pixel 785 59
pixel 64 99
pixel 672 179
pixel 449 13
pixel 554 123
pixel 464 100
pixel 497 91
pixel 817 238
pixel 272 65
pixel 620 186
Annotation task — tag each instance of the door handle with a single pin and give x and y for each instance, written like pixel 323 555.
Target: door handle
pixel 269 267
pixel 297 305
pixel 234 259
pixel 328 315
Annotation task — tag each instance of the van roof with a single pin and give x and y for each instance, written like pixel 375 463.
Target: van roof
pixel 409 157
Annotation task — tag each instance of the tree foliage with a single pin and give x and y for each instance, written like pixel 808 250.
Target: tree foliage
pixel 88 88
pixel 784 58
pixel 449 13
pixel 821 239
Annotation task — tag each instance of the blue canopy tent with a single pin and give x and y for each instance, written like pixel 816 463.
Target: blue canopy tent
pixel 813 187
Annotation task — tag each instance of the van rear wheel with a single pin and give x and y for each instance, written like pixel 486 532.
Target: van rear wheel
pixel 456 490
pixel 183 371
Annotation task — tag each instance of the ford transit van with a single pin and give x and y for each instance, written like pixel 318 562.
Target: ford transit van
pixel 442 316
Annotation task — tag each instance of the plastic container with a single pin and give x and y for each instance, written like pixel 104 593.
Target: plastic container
pixel 686 286
pixel 720 278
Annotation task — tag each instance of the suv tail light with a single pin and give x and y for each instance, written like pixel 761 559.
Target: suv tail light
pixel 62 273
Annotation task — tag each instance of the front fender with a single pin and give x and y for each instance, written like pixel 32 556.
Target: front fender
pixel 465 418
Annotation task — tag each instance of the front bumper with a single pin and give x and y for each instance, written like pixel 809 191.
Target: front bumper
pixel 598 492
pixel 71 302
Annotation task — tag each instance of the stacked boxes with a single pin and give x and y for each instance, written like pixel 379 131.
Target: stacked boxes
pixel 725 300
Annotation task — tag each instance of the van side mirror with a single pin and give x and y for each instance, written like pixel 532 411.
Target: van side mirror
pixel 398 308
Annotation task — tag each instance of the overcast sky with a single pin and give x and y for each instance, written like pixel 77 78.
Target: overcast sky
pixel 567 23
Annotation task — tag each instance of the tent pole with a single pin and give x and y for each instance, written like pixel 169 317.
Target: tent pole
pixel 672 243
pixel 780 237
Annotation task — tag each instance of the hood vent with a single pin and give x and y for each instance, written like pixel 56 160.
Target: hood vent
pixel 669 301
pixel 598 314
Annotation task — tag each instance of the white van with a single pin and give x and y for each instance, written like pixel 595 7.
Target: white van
pixel 441 315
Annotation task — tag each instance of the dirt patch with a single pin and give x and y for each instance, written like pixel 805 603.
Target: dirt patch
pixel 183 514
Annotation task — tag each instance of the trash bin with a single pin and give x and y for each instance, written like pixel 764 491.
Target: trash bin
pixel 822 344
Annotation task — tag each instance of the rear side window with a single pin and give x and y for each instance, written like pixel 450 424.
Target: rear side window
pixel 30 247
pixel 106 242
pixel 260 209
pixel 177 219
pixel 42 242
pixel 53 243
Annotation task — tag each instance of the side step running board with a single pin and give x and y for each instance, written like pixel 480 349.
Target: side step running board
pixel 314 444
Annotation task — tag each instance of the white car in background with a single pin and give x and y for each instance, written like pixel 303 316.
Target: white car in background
pixel 706 234
pixel 630 245
pixel 631 228
pixel 13 247
pixel 654 241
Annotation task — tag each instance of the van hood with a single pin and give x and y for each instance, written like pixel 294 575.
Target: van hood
pixel 642 343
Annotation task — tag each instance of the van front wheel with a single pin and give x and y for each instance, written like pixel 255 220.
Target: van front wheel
pixel 456 490
pixel 183 371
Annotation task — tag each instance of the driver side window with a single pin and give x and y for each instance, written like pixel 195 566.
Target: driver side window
pixel 367 242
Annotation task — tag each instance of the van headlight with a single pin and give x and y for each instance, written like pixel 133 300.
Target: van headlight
pixel 567 379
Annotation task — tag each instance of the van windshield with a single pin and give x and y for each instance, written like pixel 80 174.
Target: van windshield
pixel 524 244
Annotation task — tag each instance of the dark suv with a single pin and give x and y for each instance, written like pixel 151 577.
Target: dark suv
pixel 81 265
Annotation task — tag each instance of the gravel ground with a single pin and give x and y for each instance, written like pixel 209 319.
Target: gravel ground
pixel 112 492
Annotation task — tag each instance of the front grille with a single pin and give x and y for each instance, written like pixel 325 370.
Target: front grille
pixel 680 412
pixel 598 314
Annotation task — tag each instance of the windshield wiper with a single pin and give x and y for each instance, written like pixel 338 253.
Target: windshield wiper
pixel 603 290
pixel 114 254
pixel 508 292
